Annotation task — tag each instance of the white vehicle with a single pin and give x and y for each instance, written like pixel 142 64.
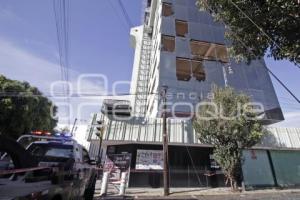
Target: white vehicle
pixel 74 173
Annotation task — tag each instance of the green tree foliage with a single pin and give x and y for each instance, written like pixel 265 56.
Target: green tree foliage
pixel 23 109
pixel 227 123
pixel 274 26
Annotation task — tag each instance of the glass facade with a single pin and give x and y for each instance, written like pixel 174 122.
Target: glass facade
pixel 199 39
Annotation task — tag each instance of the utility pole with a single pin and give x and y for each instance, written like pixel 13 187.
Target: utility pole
pixel 73 126
pixel 165 142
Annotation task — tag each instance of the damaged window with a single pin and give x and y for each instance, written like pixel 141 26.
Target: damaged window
pixel 181 28
pixel 221 52
pixel 183 69
pixel 168 43
pixel 208 51
pixel 198 70
pixel 199 49
pixel 167 9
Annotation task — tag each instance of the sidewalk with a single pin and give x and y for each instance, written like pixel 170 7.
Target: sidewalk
pixel 201 193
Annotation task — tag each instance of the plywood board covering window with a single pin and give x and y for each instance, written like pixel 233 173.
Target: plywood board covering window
pixel 181 28
pixel 199 49
pixel 183 69
pixel 198 70
pixel 168 43
pixel 208 51
pixel 167 9
pixel 222 53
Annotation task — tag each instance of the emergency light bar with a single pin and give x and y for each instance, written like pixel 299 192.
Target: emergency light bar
pixel 41 133
pixel 65 135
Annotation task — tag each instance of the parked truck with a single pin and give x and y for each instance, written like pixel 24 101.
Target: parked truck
pixel 45 167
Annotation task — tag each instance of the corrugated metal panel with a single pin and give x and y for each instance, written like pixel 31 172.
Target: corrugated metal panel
pixel 181 131
pixel 294 137
pixel 149 130
pixel 284 137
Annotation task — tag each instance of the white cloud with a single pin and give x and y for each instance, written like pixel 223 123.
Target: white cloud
pixel 21 64
pixel 7 15
pixel 79 132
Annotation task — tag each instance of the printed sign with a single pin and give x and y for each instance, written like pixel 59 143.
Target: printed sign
pixel 149 159
pixel 115 164
pixel 117 161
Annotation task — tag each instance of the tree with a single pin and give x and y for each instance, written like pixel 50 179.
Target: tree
pixel 229 124
pixel 23 109
pixel 256 26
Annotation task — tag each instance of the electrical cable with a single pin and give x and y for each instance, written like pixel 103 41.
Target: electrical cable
pixel 114 9
pixel 280 82
pixel 62 19
pixel 259 28
pixel 125 14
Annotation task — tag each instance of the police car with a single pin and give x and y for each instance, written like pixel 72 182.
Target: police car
pixel 67 164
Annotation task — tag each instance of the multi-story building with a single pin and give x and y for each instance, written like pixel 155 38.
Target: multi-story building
pixel 183 48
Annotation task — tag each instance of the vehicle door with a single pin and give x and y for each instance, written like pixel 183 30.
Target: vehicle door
pixel 87 167
pixel 78 183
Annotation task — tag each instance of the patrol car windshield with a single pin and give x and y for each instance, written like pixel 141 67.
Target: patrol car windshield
pixel 51 150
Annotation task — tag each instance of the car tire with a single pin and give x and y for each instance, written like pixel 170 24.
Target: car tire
pixel 89 192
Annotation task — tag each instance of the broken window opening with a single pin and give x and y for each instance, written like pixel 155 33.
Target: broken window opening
pixel 183 69
pixel 221 52
pixel 198 70
pixel 167 9
pixel 168 43
pixel 181 28
pixel 208 51
pixel 199 49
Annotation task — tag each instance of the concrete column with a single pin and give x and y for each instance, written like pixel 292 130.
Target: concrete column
pixel 104 183
pixel 123 183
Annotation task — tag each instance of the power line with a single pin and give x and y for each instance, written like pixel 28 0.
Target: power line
pixel 114 9
pixel 125 14
pixel 282 84
pixel 251 51
pixel 259 28
pixel 62 95
pixel 287 99
pixel 62 20
pixel 290 104
pixel 102 94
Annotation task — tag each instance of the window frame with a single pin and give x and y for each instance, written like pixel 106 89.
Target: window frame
pixel 179 69
pixel 208 49
pixel 200 75
pixel 178 24
pixel 165 12
pixel 168 38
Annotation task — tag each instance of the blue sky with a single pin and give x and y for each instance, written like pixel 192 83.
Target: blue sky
pixel 99 43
